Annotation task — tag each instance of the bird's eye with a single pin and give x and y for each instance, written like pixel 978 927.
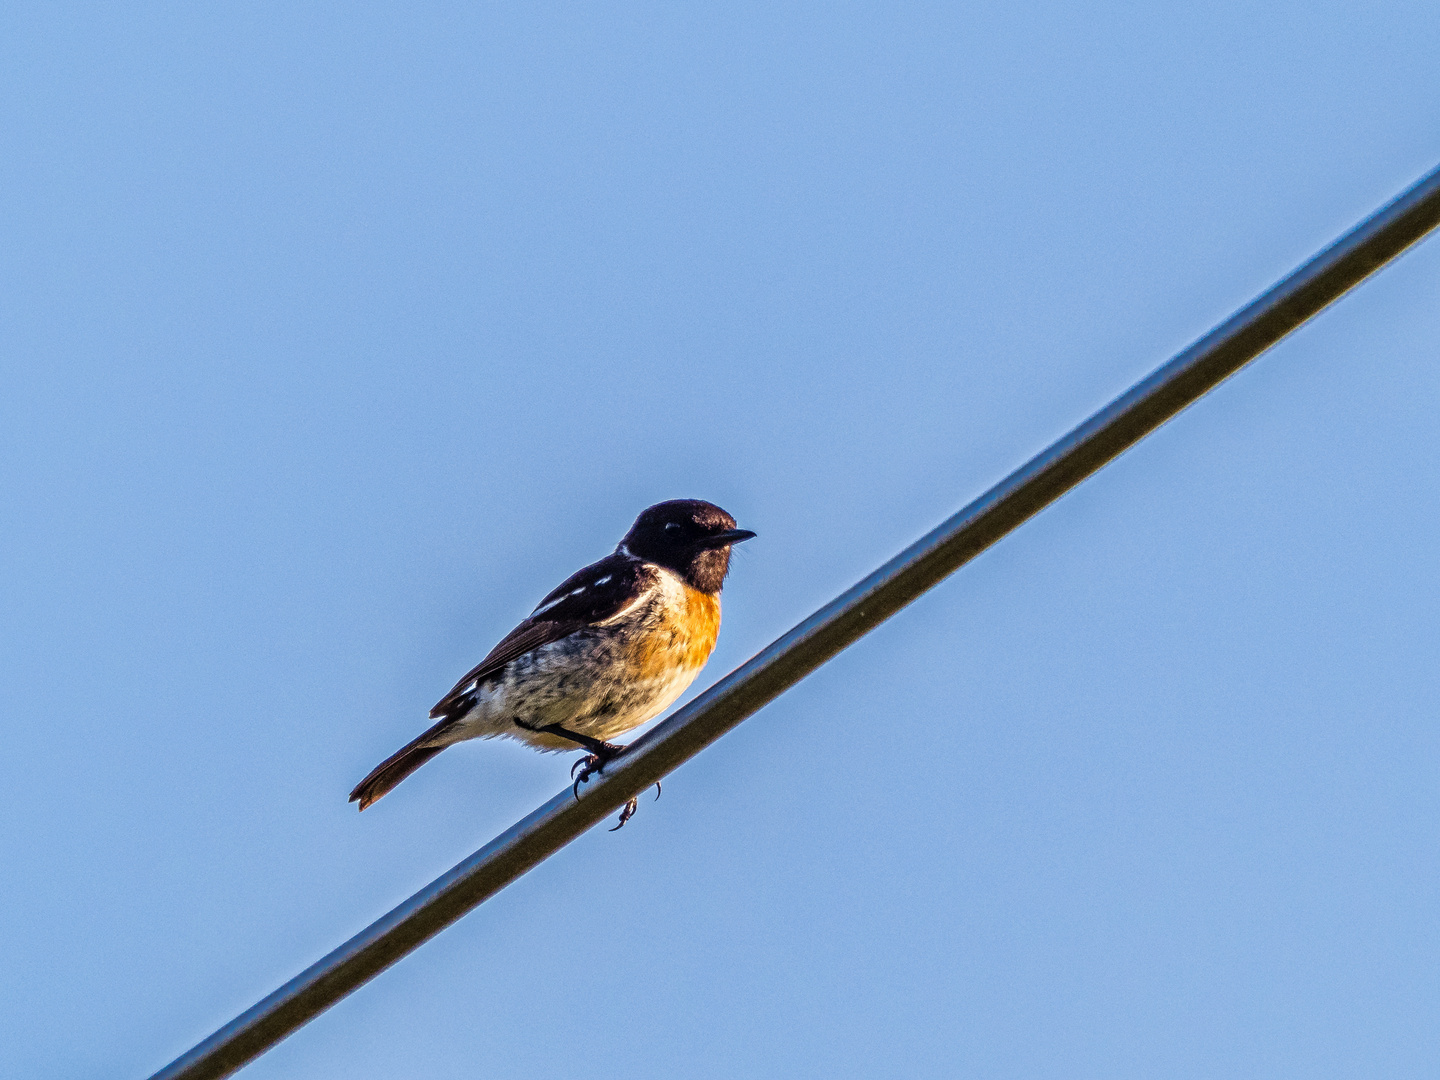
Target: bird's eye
pixel 672 528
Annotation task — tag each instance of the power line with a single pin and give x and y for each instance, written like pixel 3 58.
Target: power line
pixel 1047 476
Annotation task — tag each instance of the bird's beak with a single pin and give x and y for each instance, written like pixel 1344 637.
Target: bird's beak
pixel 726 538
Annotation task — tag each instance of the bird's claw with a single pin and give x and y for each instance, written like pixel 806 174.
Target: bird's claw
pixel 590 764
pixel 625 815
pixel 587 766
pixel 629 809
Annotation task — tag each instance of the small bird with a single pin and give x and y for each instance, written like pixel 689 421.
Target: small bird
pixel 609 649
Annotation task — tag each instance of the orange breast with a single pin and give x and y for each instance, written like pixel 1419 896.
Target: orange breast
pixel 684 637
pixel 702 622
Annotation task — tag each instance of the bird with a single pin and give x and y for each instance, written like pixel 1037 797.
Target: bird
pixel 611 647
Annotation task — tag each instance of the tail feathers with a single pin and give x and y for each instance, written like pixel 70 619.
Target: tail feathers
pixel 395 768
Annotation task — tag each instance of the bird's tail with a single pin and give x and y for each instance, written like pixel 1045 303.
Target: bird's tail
pixel 396 767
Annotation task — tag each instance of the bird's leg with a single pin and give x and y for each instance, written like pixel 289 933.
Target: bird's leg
pixel 601 752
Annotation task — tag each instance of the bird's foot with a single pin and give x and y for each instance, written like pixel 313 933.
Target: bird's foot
pixel 592 763
pixel 595 762
pixel 625 815
pixel 629 810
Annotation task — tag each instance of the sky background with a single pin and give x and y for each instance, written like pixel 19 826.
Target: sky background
pixel 335 335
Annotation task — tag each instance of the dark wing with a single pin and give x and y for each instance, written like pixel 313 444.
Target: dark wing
pixel 598 592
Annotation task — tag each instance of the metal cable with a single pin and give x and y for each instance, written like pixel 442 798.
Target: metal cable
pixel 1147 405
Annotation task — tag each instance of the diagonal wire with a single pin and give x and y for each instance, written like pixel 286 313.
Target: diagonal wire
pixel 1137 412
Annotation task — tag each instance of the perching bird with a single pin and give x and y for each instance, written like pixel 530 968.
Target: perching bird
pixel 609 649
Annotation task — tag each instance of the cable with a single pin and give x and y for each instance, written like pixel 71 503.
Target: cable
pixel 1122 423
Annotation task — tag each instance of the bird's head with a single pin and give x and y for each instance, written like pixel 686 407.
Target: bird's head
pixel 688 536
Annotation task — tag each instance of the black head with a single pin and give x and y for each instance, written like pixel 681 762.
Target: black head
pixel 688 536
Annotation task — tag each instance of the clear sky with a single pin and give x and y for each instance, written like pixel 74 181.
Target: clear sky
pixel 334 336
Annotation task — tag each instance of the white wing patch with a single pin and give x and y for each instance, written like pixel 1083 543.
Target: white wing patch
pixel 573 592
pixel 558 599
pixel 628 608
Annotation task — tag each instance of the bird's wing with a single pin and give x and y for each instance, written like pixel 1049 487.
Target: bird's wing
pixel 596 594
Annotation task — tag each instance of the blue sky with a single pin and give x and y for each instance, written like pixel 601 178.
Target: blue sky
pixel 336 335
